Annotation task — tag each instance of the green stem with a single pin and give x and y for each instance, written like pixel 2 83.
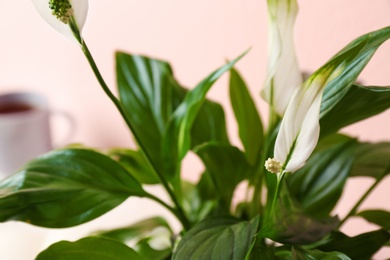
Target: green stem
pixel 258 186
pixel 276 194
pixel 353 211
pixel 179 213
pixel 256 206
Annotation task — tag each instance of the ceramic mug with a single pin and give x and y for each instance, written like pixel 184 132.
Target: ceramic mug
pixel 24 129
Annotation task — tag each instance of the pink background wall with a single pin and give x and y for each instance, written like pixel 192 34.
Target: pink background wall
pixel 195 37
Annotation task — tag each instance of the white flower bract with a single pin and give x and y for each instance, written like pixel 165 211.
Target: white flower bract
pixel 79 12
pixel 299 130
pixel 283 74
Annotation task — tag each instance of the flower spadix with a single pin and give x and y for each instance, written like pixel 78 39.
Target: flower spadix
pixel 299 130
pixel 62 14
pixel 283 74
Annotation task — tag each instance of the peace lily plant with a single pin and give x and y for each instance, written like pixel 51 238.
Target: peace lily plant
pixel 287 211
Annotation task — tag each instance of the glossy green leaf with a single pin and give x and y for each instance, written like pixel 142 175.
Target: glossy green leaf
pixel 177 138
pixel 378 217
pixel 347 65
pixel 66 188
pixel 217 238
pixel 290 225
pixel 358 103
pixel 227 166
pixel 136 164
pixel 89 248
pixel 249 122
pixel 151 237
pixel 372 160
pixel 317 255
pixel 149 94
pixel 359 247
pixel 319 184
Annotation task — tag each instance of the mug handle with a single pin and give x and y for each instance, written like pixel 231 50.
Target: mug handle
pixel 71 122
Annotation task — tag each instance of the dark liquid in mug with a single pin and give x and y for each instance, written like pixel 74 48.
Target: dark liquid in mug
pixel 11 108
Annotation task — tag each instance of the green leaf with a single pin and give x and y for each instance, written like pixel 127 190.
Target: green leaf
pixel 217 238
pixel 66 188
pixel 378 217
pixel 146 249
pixel 149 94
pixel 358 103
pixel 136 164
pixel 134 231
pixel 359 247
pixel 227 166
pixel 290 225
pixel 348 63
pixel 209 125
pixel 319 184
pixel 198 199
pixel 145 236
pixel 177 138
pixel 317 255
pixel 93 248
pixel 249 122
pixel 372 160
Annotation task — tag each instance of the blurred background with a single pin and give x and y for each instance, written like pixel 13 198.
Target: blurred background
pixel 196 37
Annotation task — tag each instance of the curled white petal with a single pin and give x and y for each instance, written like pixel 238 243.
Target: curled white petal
pixel 283 74
pixel 299 130
pixel 80 8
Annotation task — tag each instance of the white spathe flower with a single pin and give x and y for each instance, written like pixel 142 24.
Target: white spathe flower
pixel 283 74
pixel 78 9
pixel 299 130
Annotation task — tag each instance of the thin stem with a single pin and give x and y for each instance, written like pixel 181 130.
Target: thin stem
pixel 362 199
pixel 276 194
pixel 180 213
pixel 268 145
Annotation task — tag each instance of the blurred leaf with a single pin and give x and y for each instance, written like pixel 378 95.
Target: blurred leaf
pixel 145 249
pixel 249 122
pixel 209 125
pixel 217 238
pixel 358 103
pixel 319 184
pixel 372 159
pixel 361 247
pixel 136 164
pixel 227 166
pixel 197 199
pixel 317 255
pixel 66 188
pixel 177 138
pixel 378 217
pixel 134 231
pixel 331 140
pixel 89 248
pixel 290 225
pixel 144 237
pixel 348 63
